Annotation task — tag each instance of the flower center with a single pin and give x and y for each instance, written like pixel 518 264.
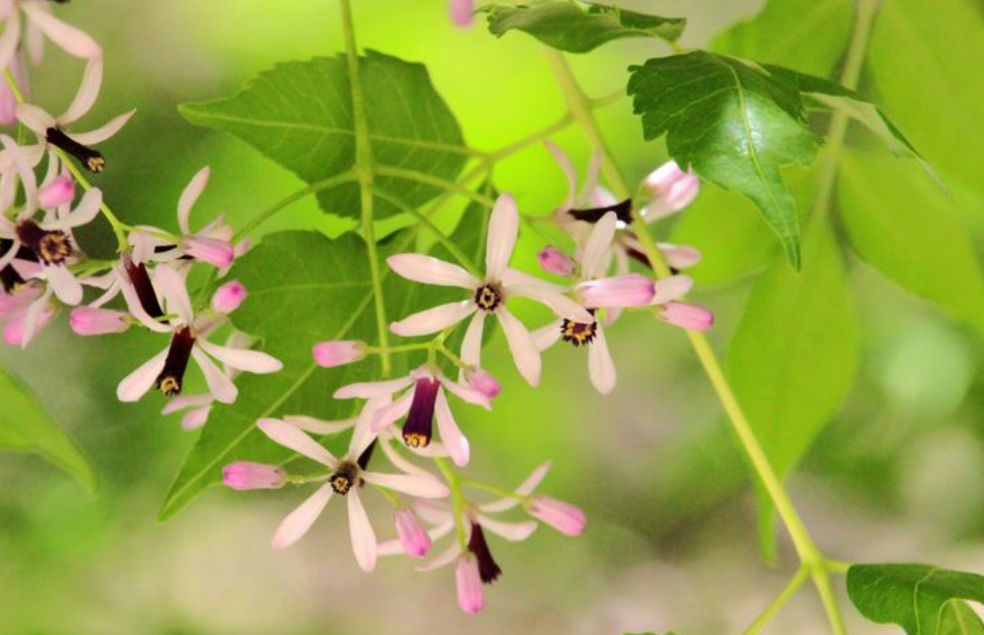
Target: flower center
pixel 91 159
pixel 577 333
pixel 52 247
pixel 345 478
pixel 488 297
pixel 171 378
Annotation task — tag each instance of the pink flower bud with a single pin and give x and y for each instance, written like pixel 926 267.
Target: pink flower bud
pixel 687 316
pixel 564 517
pixel 671 189
pixel 59 192
pixel 483 382
pixel 244 475
pixel 553 260
pixel 93 321
pixel 627 290
pixel 461 12
pixel 679 257
pixel 414 538
pixel 338 352
pixel 228 297
pixel 218 253
pixel 469 584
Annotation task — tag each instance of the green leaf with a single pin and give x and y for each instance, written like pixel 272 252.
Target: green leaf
pixel 905 227
pixel 922 599
pixel 921 59
pixel 793 358
pixel 808 35
pixel 734 123
pixel 579 27
pixel 300 115
pixel 303 288
pixel 26 427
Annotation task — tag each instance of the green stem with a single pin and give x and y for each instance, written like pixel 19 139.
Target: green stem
pixel 492 489
pixel 428 179
pixel 364 170
pixel 270 212
pixel 457 501
pixel 770 611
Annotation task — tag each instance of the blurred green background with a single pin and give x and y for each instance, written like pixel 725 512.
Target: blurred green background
pixel 898 475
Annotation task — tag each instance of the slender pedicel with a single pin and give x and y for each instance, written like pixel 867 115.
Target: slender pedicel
pixel 91 159
pixel 488 570
pixel 51 247
pixel 171 379
pixel 623 211
pixel 418 429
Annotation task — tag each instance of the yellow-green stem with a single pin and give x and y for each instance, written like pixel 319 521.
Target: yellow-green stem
pixel 457 501
pixel 770 611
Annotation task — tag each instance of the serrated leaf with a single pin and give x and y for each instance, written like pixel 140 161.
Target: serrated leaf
pixel 905 227
pixel 793 358
pixel 919 598
pixel 808 35
pixel 734 124
pixel 26 427
pixel 579 27
pixel 303 288
pixel 300 115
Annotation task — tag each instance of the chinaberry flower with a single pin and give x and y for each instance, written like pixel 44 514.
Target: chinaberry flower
pixel 248 475
pixel 52 130
pixel 166 370
pixel 88 321
pixel 332 353
pixel 487 295
pixel 40 24
pixel 25 306
pixel 687 316
pixel 346 476
pixel 670 190
pixel 421 402
pixel 564 517
pixel 461 12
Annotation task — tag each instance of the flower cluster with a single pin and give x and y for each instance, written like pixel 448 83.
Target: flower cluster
pixel 410 419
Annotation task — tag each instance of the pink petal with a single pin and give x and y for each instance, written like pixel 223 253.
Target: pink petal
pixel 687 316
pixel 217 253
pixel 195 418
pixel 627 290
pixel 88 91
pixel 136 384
pixel 414 538
pixel 423 485
pixel 290 437
pixel 319 426
pixel 89 321
pixel 564 517
pixel 593 259
pixel 59 192
pixel 388 415
pixel 229 297
pixel 247 475
pixel 363 537
pixel 189 196
pixel 64 284
pixel 433 320
pixel 218 382
pixel 469 585
pixel 460 12
pixel 175 291
pixel 103 133
pixel 672 288
pixel 338 352
pixel 242 359
pixel 367 390
pixel 524 352
pixel 553 260
pixel 483 382
pixel 601 368
pixel 429 270
pixel 680 257
pixel 465 392
pixel 525 489
pixel 561 304
pixel 502 234
pixel 451 435
pixel 471 345
pixel 547 336
pixel 569 173
pixel 514 532
pixel 297 523
pixel 70 39
pixel 36 119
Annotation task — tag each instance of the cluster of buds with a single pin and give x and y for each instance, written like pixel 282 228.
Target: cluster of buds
pixel 411 419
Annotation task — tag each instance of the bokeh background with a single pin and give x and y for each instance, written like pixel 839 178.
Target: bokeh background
pixel 897 476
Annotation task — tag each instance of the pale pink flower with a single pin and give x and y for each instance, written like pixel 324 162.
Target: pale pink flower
pixel 332 353
pixel 247 475
pixel 422 401
pixel 346 477
pixel 553 260
pixel 564 517
pixel 483 382
pixel 25 307
pixel 41 24
pixel 413 537
pixel 487 296
pixel 97 321
pixel 670 190
pixel 52 131
pixel 188 340
pixel 687 316
pixel 59 191
pixel 461 12
pixel 229 297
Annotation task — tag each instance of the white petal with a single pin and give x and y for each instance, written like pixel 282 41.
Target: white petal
pixel 242 359
pixel 88 91
pixel 398 461
pixel 9 39
pixel 297 523
pixel 672 288
pixel 514 277
pixel 293 438
pixel 363 434
pixel 433 320
pixel 133 303
pixel 601 368
pixel 471 345
pixel 560 304
pixel 35 118
pixel 568 169
pixel 319 426
pixel 503 231
pixel 424 485
pixel 218 382
pixel 36 317
pixel 589 189
pixel 189 196
pixel 525 489
pixel 363 537
pixel 593 259
pixel 26 172
pixel 514 532
pixel 103 133
pixel 388 415
pixel 451 435
pixel 183 402
pixel 524 352
pixel 86 211
pixel 64 284
pixel 548 335
pixel 465 392
pixel 70 39
pixel 445 558
pixel 429 270
pixel 368 390
pixel 175 291
pixel 136 384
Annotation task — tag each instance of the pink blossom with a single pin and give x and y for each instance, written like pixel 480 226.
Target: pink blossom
pixel 414 538
pixel 246 475
pixel 687 316
pixel 671 190
pixel 461 12
pixel 60 191
pixel 483 382
pixel 333 353
pixel 469 584
pixel 94 321
pixel 553 260
pixel 228 297
pixel 564 517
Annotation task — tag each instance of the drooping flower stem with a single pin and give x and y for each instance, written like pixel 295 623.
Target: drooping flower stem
pixel 457 501
pixel 809 554
pixel 364 171
pixel 119 229
pixel 770 611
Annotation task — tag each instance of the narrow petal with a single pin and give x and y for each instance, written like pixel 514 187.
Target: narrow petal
pixel 429 270
pixel 175 291
pixel 196 418
pixel 88 91
pixel 297 523
pixel 451 435
pixel 363 537
pixel 525 489
pixel 84 214
pixel 182 402
pixel 218 382
pixel 590 187
pixel 560 304
pixel 9 40
pixel 433 320
pixel 35 118
pixel 103 133
pixel 672 288
pixel 593 259
pixel 136 384
pixel 514 278
pixel 422 485
pixel 190 196
pixel 465 392
pixel 242 359
pixel 319 426
pixel 388 415
pixel 547 336
pixel 296 440
pixel 524 352
pixel 626 290
pixel 68 38
pixel 65 285
pixel 601 368
pixel 503 231
pixel 514 532
pixel 569 173
pixel 443 559
pixel 471 345
pixel 134 306
pixel 368 390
